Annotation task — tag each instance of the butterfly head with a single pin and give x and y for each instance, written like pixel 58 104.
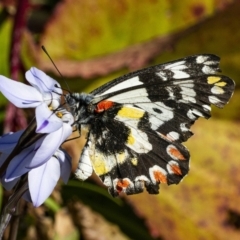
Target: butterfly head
pixel 78 104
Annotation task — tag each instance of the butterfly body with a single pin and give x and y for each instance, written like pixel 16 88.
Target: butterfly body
pixel 137 122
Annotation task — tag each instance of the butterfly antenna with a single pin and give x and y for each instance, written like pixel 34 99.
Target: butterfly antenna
pixel 46 52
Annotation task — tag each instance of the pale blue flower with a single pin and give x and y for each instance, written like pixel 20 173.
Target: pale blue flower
pixel 42 160
pixel 44 95
pixel 43 177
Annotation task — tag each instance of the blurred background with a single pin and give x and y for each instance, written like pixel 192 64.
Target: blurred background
pixel 95 41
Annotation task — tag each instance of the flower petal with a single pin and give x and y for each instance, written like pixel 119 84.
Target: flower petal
pixel 65 163
pixel 10 140
pixel 17 166
pixel 21 95
pixel 67 117
pixel 51 99
pixel 4 155
pixel 8 185
pixel 26 196
pixel 42 181
pixel 42 81
pixel 7 144
pixel 50 143
pixel 47 121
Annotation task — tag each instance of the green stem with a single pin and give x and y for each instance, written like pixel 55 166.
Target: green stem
pixel 11 207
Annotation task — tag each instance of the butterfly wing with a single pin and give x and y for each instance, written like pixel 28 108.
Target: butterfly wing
pixel 141 119
pixel 127 156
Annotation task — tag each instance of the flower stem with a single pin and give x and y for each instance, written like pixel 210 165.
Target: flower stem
pixel 11 206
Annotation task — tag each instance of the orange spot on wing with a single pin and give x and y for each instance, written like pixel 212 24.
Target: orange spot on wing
pixel 103 105
pixel 160 177
pixel 121 184
pixel 176 153
pixel 176 170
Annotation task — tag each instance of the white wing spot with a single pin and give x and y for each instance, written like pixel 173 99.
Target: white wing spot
pixel 170 92
pixel 131 97
pixel 198 113
pixel 180 74
pixel 123 85
pixel 187 99
pixel 141 178
pixel 214 100
pixel 201 59
pixel 188 91
pixel 208 70
pixel 173 135
pixel 183 127
pixel 210 62
pixel 175 65
pixel 217 90
pixel 162 75
pixel 191 115
pixel 157 119
pixel 185 83
pixel 140 143
pixel 85 168
pixel 206 107
pixel 108 181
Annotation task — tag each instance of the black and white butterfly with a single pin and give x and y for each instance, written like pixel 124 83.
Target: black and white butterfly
pixel 137 122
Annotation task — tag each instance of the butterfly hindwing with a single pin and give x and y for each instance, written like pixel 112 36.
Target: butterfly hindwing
pixel 138 122
pixel 127 157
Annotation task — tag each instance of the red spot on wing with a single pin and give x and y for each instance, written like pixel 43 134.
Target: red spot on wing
pixel 160 177
pixel 103 105
pixel 176 153
pixel 176 170
pixel 121 184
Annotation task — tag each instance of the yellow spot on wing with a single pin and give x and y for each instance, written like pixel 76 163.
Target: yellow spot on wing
pixel 128 112
pixel 221 84
pixel 131 139
pixel 99 165
pixel 103 164
pixel 213 79
pixel 121 157
pixel 134 161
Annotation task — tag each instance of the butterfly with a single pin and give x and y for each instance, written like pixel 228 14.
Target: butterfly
pixel 137 122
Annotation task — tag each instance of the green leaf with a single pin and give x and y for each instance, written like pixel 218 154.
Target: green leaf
pixel 115 26
pixel 52 205
pixel 5 41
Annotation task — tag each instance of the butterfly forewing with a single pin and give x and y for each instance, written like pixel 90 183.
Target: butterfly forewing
pixel 192 66
pixel 138 121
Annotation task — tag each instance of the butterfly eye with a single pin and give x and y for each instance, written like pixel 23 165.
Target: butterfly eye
pixel 70 100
